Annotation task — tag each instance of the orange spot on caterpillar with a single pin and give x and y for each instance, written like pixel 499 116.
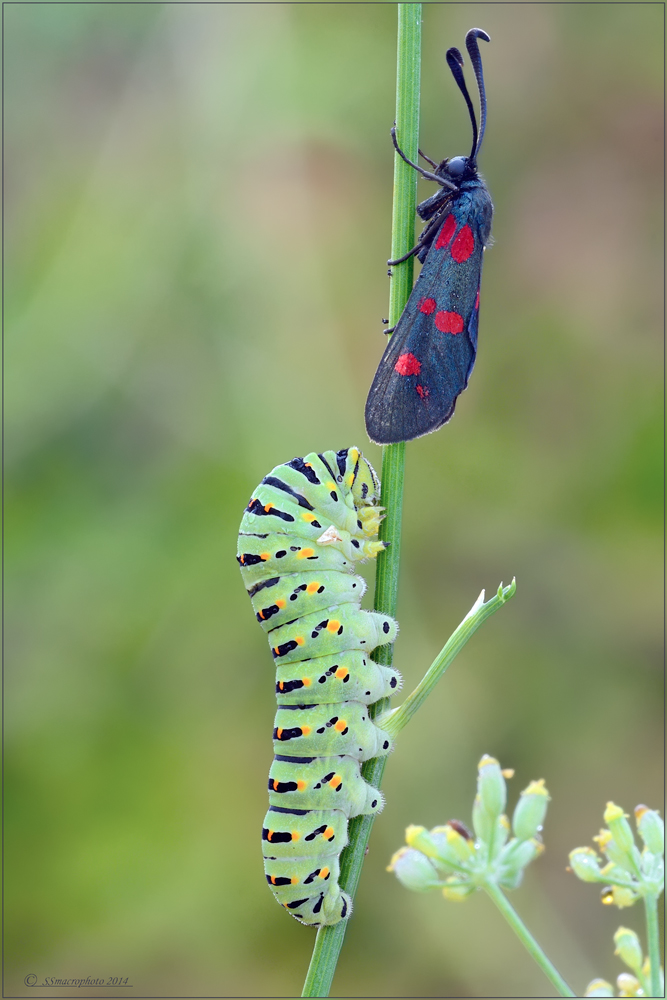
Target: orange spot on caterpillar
pixel 305 553
pixel 336 781
pixel 324 872
pixel 341 725
pixel 268 507
pixel 299 640
pixel 261 615
pixel 270 836
pixel 312 588
pixel 341 673
pixel 301 785
pixel 265 555
pixel 328 833
pixel 306 681
pixel 279 733
pixel 295 835
pixel 295 880
pixel 275 785
pixel 307 516
pixel 280 603
pixel 306 730
pixel 242 559
pixel 281 685
pixel 333 625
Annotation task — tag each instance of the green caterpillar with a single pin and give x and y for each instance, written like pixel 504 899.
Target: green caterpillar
pixel 306 524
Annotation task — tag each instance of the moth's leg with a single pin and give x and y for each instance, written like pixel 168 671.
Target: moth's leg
pixel 426 237
pixel 425 173
pixel 400 260
pixel 428 159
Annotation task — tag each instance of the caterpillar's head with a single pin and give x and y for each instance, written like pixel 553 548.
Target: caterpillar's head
pixel 365 485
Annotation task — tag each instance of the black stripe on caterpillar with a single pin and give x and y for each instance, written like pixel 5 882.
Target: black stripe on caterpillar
pixel 304 528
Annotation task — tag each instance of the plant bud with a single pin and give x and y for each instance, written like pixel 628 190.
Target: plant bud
pixel 619 827
pixel 651 829
pixel 491 786
pixel 618 895
pixel 414 870
pixel 447 856
pixel 419 838
pixel 530 810
pixel 599 988
pixel 653 868
pixel 585 864
pixel 463 848
pixel 628 948
pixel 483 823
pixel 524 852
pixel 457 891
pixel 628 862
pixel 628 986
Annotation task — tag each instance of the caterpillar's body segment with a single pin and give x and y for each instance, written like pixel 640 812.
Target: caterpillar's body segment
pixel 305 526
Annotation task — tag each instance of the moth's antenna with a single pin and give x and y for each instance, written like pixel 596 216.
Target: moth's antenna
pixel 476 60
pixel 455 61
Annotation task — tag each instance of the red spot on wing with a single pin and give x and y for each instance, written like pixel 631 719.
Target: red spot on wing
pixel 463 245
pixel 422 391
pixel 408 364
pixel 427 306
pixel 446 233
pixel 449 322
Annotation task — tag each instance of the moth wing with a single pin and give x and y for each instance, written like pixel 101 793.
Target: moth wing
pixel 428 360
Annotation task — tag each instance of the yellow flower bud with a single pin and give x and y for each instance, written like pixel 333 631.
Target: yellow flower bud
pixel 419 838
pixel 530 810
pixel 491 786
pixel 627 985
pixel 599 988
pixel 619 896
pixel 414 870
pixel 651 829
pixel 585 864
pixel 455 891
pixel 462 847
pixel 628 948
pixel 619 827
pixel 603 838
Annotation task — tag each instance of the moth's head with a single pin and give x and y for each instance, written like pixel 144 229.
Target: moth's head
pixel 457 169
pixel 366 485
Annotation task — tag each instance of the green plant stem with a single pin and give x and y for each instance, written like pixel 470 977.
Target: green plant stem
pixel 394 721
pixel 329 940
pixel 527 939
pixel 652 934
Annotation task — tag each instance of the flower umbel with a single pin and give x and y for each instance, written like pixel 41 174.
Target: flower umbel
pixel 629 873
pixel 449 858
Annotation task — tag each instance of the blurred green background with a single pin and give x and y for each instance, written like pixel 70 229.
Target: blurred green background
pixel 198 207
